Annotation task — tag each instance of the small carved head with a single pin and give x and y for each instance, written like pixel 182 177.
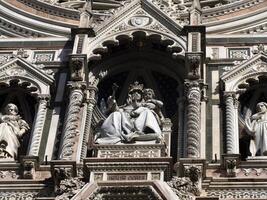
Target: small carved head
pixel 148 93
pixel 11 109
pixel 261 107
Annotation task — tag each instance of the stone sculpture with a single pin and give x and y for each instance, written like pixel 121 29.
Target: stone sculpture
pixel 257 128
pixel 12 127
pixel 138 119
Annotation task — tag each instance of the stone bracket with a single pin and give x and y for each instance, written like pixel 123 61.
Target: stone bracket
pixel 230 163
pixel 30 165
pixel 62 169
pixel 195 169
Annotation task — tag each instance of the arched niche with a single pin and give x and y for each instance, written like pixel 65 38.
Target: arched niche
pixel 28 87
pixel 245 85
pixel 149 61
pixel 254 90
pixel 26 104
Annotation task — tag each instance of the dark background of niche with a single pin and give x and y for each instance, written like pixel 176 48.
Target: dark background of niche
pixel 167 89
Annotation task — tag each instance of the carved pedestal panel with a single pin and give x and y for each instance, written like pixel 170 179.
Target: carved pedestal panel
pixel 129 162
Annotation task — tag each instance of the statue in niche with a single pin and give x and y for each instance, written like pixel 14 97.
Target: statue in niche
pixel 139 119
pixel 12 127
pixel 257 128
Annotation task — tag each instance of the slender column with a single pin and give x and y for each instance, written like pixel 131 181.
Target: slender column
pixel 38 125
pixel 193 119
pixel 181 135
pixel 72 118
pixel 91 104
pixel 231 124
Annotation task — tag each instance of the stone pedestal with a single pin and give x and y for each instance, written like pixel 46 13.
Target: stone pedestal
pixel 129 162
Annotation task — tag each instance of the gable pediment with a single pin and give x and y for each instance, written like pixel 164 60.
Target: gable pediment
pixel 251 68
pixel 21 70
pixel 140 14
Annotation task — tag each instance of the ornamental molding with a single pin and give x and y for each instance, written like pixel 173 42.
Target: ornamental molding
pixel 230 7
pixel 137 16
pixel 251 68
pixel 242 193
pixel 21 70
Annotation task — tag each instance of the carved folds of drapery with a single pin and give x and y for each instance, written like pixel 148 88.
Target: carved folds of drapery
pixel 231 105
pixel 38 125
pixel 72 118
pixel 193 118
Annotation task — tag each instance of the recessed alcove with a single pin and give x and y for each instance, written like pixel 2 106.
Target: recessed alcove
pixel 26 104
pixel 150 61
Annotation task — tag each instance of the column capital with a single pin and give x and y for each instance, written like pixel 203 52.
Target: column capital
pixel 76 85
pixel 43 97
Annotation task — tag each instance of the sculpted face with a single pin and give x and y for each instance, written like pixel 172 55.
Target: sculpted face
pixel 261 107
pixel 148 94
pixel 11 109
pixel 136 95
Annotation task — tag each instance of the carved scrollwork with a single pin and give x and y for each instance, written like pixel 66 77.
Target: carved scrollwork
pixel 66 185
pixel 183 187
pixel 70 129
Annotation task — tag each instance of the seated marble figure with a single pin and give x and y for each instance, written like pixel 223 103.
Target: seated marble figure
pixel 257 128
pixel 139 119
pixel 12 127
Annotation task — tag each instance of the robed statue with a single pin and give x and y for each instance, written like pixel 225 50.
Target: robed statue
pixel 257 128
pixel 139 119
pixel 12 128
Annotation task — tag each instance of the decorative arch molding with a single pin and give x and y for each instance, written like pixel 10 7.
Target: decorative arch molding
pixel 174 45
pixel 37 82
pixel 139 18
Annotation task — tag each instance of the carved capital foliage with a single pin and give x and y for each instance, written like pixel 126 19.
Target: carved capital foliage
pixel 193 172
pixel 66 183
pixel 194 63
pixel 78 65
pixel 183 187
pixel 71 127
pixel 73 85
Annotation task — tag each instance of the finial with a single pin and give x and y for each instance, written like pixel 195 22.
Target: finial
pixel 196 5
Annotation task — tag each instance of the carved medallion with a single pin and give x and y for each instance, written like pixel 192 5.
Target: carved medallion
pixel 140 21
pixel 15 71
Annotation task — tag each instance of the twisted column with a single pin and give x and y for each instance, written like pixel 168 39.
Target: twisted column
pixel 91 104
pixel 38 125
pixel 71 123
pixel 193 119
pixel 231 123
